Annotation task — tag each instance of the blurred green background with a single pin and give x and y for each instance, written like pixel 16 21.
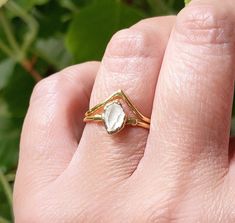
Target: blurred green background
pixel 39 37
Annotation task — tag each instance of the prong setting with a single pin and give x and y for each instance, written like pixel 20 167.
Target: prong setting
pixel 114 117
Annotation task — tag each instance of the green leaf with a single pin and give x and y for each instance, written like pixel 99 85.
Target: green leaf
pixel 7 189
pixel 51 19
pixel 3 2
pixel 14 99
pixel 53 51
pixel 160 7
pixel 17 92
pixel 9 138
pixel 74 5
pixel 5 211
pixel 6 70
pixel 68 4
pixel 93 26
pixel 178 5
pixel 28 4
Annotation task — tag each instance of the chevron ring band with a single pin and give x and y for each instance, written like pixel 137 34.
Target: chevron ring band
pixel 114 116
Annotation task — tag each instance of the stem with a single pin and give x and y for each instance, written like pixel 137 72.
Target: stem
pixel 30 22
pixel 6 50
pixel 28 39
pixel 187 1
pixel 70 6
pixel 7 189
pixel 9 32
pixel 28 66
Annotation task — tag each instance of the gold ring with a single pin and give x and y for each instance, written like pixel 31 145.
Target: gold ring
pixel 114 116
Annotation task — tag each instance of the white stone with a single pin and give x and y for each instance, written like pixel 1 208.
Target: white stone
pixel 114 117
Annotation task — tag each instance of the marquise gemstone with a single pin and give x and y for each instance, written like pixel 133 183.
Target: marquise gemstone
pixel 114 117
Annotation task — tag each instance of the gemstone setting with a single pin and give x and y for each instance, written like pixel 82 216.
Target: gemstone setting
pixel 114 117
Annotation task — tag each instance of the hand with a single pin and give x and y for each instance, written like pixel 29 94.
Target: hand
pixel 180 171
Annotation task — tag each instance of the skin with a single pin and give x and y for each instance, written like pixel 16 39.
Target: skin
pixel 178 70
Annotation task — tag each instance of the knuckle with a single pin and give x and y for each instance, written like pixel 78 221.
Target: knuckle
pixel 128 43
pixel 45 87
pixel 44 212
pixel 29 215
pixel 205 25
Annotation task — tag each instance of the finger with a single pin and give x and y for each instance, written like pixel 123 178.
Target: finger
pixel 192 107
pixel 131 62
pixel 54 123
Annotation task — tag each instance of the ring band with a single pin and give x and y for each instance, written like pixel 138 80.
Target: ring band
pixel 113 115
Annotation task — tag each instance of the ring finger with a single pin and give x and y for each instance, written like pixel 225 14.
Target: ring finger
pixel 131 62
